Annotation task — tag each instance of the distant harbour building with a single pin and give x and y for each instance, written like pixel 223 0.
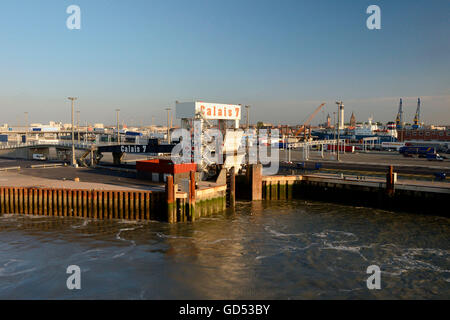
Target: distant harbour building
pixel 353 120
pixel 425 135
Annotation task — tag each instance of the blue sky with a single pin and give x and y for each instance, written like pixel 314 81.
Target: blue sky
pixel 282 57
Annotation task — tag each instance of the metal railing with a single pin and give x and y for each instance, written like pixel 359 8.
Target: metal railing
pixel 46 143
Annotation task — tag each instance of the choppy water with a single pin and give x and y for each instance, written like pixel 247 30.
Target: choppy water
pixel 296 250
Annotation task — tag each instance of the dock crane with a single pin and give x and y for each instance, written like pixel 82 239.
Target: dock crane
pixel 399 119
pixel 416 123
pixel 308 121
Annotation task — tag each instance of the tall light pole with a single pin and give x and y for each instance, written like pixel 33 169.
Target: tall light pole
pixel 78 126
pixel 118 126
pixel 334 135
pixel 73 133
pixel 340 106
pixel 26 126
pixel 248 119
pixel 168 125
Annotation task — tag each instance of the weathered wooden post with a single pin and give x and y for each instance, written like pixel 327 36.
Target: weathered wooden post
pixel 191 201
pixel 390 182
pixel 256 182
pixel 170 199
pixel 116 204
pixel 147 205
pixel 232 188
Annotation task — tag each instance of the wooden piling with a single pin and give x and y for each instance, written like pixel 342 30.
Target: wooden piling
pixel 25 201
pixel 191 200
pixel 60 208
pixel 79 196
pixel 170 199
pixel 40 203
pixel 65 202
pixel 75 210
pixel 142 205
pixel 282 189
pixel 50 202
pixel 90 204
pixel 256 182
pixel 44 201
pixel 20 200
pixel 121 213
pixel 147 205
pixel 132 210
pixel 100 204
pixel 85 203
pixel 126 206
pixel 2 200
pixel 390 187
pixel 110 204
pixel 94 204
pixel 116 205
pixel 35 202
pixel 232 188
pixel 16 200
pixel 274 190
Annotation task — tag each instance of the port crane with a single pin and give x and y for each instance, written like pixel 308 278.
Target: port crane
pixel 308 121
pixel 416 123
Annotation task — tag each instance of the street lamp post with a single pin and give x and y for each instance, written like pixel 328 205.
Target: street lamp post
pixel 168 125
pixel 248 111
pixel 73 133
pixel 247 147
pixel 78 126
pixel 118 126
pixel 335 133
pixel 26 126
pixel 340 106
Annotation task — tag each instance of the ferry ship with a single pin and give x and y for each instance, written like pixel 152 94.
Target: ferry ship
pixel 387 133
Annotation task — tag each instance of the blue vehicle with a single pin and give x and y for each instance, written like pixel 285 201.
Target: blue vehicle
pixel 421 151
pixel 434 156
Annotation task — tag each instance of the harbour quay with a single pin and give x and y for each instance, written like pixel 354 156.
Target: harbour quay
pixel 100 193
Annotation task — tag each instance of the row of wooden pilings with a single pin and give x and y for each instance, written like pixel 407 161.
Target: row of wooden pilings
pixel 95 204
pixel 169 206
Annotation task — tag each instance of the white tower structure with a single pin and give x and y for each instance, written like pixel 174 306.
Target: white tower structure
pixel 198 117
pixel 341 116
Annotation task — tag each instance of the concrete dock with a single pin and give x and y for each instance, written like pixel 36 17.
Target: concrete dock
pixel 102 193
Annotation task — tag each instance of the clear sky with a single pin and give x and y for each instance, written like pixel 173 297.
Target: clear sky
pixel 281 57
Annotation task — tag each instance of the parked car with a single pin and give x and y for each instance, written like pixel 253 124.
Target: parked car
pixel 434 156
pixel 39 156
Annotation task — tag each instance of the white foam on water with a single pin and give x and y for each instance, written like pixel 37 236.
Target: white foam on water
pixel 130 222
pixel 167 236
pixel 84 224
pixel 118 237
pixel 119 255
pixel 280 234
pixel 5 273
pixel 294 248
pixel 219 240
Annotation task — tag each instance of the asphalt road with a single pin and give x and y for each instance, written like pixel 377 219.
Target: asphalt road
pixel 105 176
pixel 375 161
